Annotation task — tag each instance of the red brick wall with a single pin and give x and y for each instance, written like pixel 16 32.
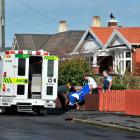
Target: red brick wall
pixel 136 62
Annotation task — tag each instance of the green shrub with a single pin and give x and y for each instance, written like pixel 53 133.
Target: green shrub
pixel 72 71
pixel 118 87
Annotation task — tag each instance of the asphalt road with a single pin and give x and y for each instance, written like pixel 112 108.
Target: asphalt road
pixel 54 127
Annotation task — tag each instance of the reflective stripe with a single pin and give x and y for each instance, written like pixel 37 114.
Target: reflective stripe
pixel 15 80
pixel 51 57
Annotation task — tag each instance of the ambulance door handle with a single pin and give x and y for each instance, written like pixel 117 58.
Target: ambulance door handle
pixel 54 80
pixel 15 66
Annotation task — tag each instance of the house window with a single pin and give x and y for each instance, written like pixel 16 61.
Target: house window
pixel 91 60
pixel 123 62
pixel 128 65
pixel 128 54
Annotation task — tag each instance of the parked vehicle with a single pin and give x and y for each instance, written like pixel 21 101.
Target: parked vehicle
pixel 28 80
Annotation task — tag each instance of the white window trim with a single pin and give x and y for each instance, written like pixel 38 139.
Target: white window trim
pixel 124 59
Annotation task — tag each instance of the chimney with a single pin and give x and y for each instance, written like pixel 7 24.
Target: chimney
pixel 63 26
pixel 112 22
pixel 96 22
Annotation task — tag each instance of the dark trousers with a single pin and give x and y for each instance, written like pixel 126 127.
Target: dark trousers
pixel 95 91
pixel 62 100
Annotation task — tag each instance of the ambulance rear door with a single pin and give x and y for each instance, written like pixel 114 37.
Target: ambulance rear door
pixel 50 77
pixel 20 79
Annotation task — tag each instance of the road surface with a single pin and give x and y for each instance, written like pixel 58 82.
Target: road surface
pixel 54 127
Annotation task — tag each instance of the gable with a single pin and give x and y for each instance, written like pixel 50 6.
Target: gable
pixel 88 43
pixel 102 33
pixel 116 41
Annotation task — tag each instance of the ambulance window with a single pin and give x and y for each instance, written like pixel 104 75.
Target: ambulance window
pixel 49 90
pixel 21 66
pixel 50 68
pixel 20 89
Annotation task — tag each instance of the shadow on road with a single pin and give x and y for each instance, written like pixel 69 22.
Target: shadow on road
pixel 49 112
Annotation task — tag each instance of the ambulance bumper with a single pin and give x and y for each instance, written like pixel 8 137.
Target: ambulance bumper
pixel 35 102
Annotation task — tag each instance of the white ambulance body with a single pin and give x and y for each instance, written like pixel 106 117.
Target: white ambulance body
pixel 28 80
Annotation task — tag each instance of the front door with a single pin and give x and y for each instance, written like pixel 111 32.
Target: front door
pixel 105 63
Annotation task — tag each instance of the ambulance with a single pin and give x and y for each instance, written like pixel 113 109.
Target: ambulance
pixel 28 81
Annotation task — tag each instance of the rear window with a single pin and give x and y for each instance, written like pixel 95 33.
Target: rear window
pixel 50 70
pixel 21 66
pixel 20 89
pixel 49 90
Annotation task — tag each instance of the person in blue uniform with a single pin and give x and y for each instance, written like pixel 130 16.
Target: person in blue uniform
pixel 107 83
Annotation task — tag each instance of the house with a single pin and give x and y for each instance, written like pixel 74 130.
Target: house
pixel 124 44
pixel 59 43
pixel 111 48
pixel 91 46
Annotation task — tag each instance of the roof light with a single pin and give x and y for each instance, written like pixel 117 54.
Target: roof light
pixel 20 51
pixel 38 53
pixel 12 52
pixel 46 53
pixel 7 52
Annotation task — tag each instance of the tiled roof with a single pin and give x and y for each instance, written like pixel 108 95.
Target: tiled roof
pixel 57 44
pixel 103 33
pixel 132 34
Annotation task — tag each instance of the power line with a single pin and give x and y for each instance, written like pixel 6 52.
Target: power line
pixel 37 12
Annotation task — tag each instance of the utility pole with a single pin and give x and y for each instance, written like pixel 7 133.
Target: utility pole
pixel 2 24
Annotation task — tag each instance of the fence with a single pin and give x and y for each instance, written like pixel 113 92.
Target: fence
pixel 132 102
pixel 112 101
pixel 91 102
pixel 127 101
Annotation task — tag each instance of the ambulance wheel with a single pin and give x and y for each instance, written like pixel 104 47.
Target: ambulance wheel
pixel 42 112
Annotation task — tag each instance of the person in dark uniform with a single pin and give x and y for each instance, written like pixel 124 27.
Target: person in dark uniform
pixel 63 90
pixel 107 83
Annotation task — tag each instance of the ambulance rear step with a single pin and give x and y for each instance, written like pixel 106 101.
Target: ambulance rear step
pixel 24 107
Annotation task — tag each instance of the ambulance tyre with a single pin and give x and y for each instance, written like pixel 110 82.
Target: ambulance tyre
pixel 42 111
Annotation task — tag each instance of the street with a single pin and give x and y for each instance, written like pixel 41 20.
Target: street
pixel 23 126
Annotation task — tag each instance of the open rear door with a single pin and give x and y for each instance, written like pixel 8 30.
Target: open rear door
pixel 50 77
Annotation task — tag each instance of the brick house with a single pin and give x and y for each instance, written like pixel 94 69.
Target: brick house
pixel 124 44
pixel 111 48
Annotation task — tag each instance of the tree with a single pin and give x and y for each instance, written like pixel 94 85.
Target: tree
pixel 72 71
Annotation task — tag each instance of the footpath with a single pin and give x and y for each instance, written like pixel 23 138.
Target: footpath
pixel 111 120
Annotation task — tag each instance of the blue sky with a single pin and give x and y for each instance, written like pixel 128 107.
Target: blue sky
pixel 42 16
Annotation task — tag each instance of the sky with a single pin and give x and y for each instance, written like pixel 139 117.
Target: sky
pixel 43 16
